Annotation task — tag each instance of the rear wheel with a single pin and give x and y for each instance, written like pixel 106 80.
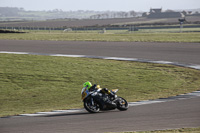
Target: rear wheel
pixel 91 107
pixel 122 104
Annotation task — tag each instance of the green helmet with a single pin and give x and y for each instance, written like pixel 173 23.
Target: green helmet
pixel 87 84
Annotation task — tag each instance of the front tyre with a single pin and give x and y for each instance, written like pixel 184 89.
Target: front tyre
pixel 91 107
pixel 122 104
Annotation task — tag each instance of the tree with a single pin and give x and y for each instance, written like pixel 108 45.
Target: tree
pixel 133 13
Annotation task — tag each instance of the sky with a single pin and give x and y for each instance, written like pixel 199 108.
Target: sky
pixel 101 5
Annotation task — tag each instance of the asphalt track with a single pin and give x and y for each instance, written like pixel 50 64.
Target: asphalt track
pixel 167 115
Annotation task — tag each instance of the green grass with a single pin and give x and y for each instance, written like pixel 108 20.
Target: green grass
pixel 134 37
pixel 182 130
pixel 169 30
pixel 31 83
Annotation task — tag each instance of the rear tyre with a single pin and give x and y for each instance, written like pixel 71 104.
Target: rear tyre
pixel 122 104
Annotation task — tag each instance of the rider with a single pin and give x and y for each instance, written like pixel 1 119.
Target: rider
pixel 91 87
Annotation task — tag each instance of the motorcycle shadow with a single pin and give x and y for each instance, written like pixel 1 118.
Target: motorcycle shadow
pixel 81 112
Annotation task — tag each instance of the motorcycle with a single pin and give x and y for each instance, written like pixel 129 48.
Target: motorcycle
pixel 95 101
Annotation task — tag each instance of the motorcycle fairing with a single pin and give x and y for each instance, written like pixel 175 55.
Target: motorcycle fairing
pixel 85 93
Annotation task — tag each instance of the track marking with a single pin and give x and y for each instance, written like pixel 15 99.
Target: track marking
pixel 173 98
pixel 193 66
pixel 161 100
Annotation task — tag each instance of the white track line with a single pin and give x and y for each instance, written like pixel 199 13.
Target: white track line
pixel 111 58
pixel 178 97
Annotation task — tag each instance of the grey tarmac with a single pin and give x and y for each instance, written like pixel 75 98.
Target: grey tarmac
pixel 173 114
pixel 168 115
pixel 188 53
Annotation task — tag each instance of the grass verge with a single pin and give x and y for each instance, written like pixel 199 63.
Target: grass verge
pixel 31 83
pixel 125 37
pixel 182 130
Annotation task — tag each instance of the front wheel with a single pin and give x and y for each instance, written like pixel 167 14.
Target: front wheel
pixel 122 104
pixel 91 106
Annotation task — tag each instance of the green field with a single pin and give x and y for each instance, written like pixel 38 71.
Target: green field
pixel 32 83
pixel 92 36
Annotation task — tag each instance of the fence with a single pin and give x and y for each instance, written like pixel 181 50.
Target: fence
pixel 125 29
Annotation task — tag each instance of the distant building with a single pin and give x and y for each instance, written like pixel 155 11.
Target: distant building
pixel 157 13
pixel 166 15
pixel 155 10
pixel 145 14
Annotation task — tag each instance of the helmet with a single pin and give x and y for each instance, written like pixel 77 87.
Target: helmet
pixel 87 84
